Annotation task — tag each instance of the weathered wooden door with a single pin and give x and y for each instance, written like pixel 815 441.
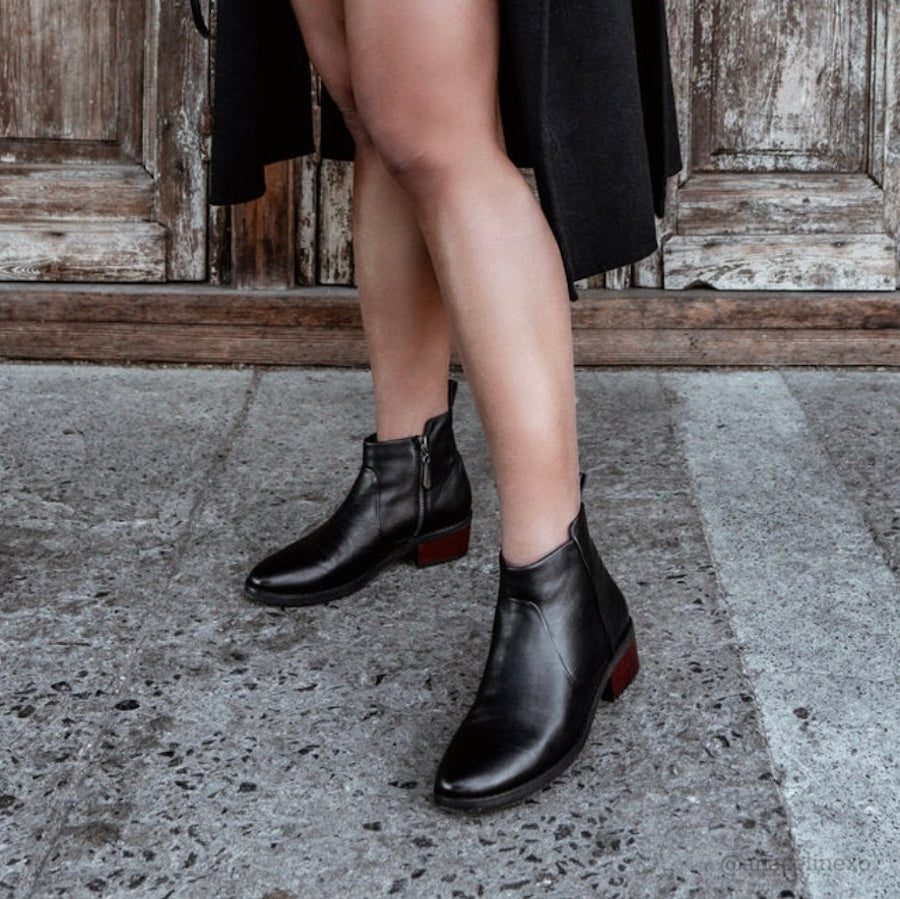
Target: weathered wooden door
pixel 791 132
pixel 788 205
pixel 101 157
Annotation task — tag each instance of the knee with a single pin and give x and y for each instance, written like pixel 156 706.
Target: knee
pixel 414 154
pixel 420 159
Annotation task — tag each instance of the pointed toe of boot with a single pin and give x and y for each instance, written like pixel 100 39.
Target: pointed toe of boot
pixel 258 583
pixel 266 584
pixel 290 576
pixel 486 768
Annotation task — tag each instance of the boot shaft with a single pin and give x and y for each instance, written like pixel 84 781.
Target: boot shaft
pixel 581 605
pixel 421 480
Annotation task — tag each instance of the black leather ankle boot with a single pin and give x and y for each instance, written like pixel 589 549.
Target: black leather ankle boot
pixel 410 498
pixel 562 639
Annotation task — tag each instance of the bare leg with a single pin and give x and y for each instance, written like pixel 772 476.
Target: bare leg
pixel 424 74
pixel 403 315
pixel 406 327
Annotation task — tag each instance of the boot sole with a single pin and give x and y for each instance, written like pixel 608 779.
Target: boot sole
pixel 444 545
pixel 619 674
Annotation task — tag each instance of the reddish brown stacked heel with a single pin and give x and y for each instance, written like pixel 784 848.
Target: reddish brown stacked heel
pixel 444 548
pixel 623 674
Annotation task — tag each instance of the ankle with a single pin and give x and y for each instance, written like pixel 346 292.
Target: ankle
pixel 529 544
pixel 535 523
pixel 404 420
pixel 403 428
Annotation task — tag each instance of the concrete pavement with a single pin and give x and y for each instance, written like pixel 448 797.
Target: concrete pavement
pixel 162 737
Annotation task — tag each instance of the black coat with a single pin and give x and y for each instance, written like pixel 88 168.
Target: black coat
pixel 586 99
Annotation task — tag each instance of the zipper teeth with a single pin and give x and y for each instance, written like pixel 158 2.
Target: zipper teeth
pixel 426 462
pixel 423 464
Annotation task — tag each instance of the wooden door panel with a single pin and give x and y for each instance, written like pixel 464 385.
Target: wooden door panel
pixel 61 74
pixel 335 228
pixel 781 86
pixel 46 192
pixel 788 124
pixel 101 141
pixel 776 262
pixel 86 251
pixel 780 203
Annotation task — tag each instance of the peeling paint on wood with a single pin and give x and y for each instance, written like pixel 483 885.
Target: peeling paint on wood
pixel 41 192
pixel 335 216
pixel 82 251
pixel 781 262
pixel 780 204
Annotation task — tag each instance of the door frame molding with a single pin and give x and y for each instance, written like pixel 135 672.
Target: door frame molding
pixel 176 132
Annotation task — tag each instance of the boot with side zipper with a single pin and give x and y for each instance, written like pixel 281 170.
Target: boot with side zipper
pixel 562 640
pixel 411 498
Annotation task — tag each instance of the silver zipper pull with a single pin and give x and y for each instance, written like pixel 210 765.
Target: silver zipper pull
pixel 426 462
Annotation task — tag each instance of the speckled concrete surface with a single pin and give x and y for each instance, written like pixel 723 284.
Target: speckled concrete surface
pixel 162 737
pixel 815 608
pixel 856 422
